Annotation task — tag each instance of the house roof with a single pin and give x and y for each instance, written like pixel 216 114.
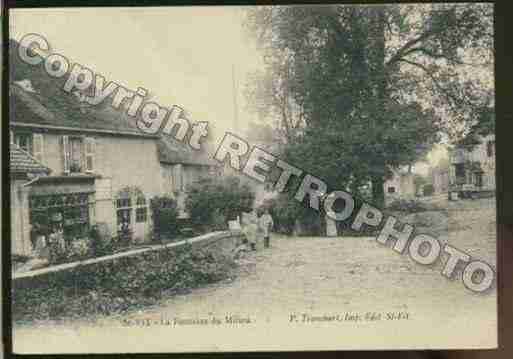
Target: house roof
pixel 45 104
pixel 171 151
pixel 38 100
pixel 40 110
pixel 22 162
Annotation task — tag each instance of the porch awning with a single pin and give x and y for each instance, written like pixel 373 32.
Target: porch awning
pixel 50 185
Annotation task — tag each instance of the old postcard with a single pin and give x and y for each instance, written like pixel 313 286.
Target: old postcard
pixel 252 178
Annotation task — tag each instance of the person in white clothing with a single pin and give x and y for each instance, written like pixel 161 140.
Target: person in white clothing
pixel 266 224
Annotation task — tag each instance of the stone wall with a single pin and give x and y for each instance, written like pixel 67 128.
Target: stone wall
pixel 222 241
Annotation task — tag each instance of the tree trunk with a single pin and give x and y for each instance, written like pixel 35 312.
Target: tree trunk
pixel 378 193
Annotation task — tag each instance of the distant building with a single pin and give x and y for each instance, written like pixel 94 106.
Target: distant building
pixel 439 177
pixel 401 185
pixel 182 167
pixel 472 170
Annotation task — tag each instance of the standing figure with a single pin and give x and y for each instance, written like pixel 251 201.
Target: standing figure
pixel 250 229
pixel 266 224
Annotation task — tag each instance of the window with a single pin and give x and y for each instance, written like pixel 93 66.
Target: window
pixel 29 142
pixel 478 179
pixel 78 154
pixel 75 155
pixel 459 170
pixel 141 200
pixel 141 214
pixel 490 148
pixel 391 189
pixel 123 202
pixel 131 208
pixel 178 177
pixel 89 153
pixel 24 141
pixel 124 218
pixel 69 211
pixel 123 211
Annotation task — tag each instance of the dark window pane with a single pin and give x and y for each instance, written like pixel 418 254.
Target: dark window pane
pixel 141 215
pixel 89 164
pixel 459 170
pixel 490 146
pixel 25 142
pixel 123 202
pixel 75 155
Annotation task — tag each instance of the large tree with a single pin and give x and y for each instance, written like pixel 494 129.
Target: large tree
pixel 373 86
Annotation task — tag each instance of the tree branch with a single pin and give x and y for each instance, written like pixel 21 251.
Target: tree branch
pixel 434 80
pixel 402 51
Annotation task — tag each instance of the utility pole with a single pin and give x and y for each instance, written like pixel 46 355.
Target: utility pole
pixel 235 107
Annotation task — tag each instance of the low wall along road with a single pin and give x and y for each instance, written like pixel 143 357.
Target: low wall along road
pixel 224 241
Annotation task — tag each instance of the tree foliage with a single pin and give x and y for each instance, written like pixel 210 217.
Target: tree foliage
pixel 212 202
pixel 373 86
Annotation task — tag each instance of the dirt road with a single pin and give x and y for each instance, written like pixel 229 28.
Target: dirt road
pixel 326 275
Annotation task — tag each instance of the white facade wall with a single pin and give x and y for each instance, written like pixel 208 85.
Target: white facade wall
pixel 20 224
pixel 118 162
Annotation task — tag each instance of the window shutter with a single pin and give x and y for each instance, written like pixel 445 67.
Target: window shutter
pixel 178 183
pixel 169 174
pixel 38 146
pixel 65 153
pixel 182 177
pixel 89 153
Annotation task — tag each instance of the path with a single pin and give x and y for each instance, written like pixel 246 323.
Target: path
pixel 324 275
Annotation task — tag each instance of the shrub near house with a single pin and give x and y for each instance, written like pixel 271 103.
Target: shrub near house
pixel 117 286
pixel 165 217
pixel 212 202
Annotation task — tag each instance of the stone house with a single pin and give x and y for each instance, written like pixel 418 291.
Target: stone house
pixel 181 167
pixel 103 169
pixel 472 168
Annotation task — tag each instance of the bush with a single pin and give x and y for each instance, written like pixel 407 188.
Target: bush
pixel 117 286
pixel 211 203
pixel 59 254
pixel 99 245
pixel 165 217
pixel 285 211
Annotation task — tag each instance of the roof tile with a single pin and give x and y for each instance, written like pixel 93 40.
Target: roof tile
pixel 22 162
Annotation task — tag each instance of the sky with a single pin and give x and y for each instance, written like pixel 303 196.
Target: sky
pixel 182 55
